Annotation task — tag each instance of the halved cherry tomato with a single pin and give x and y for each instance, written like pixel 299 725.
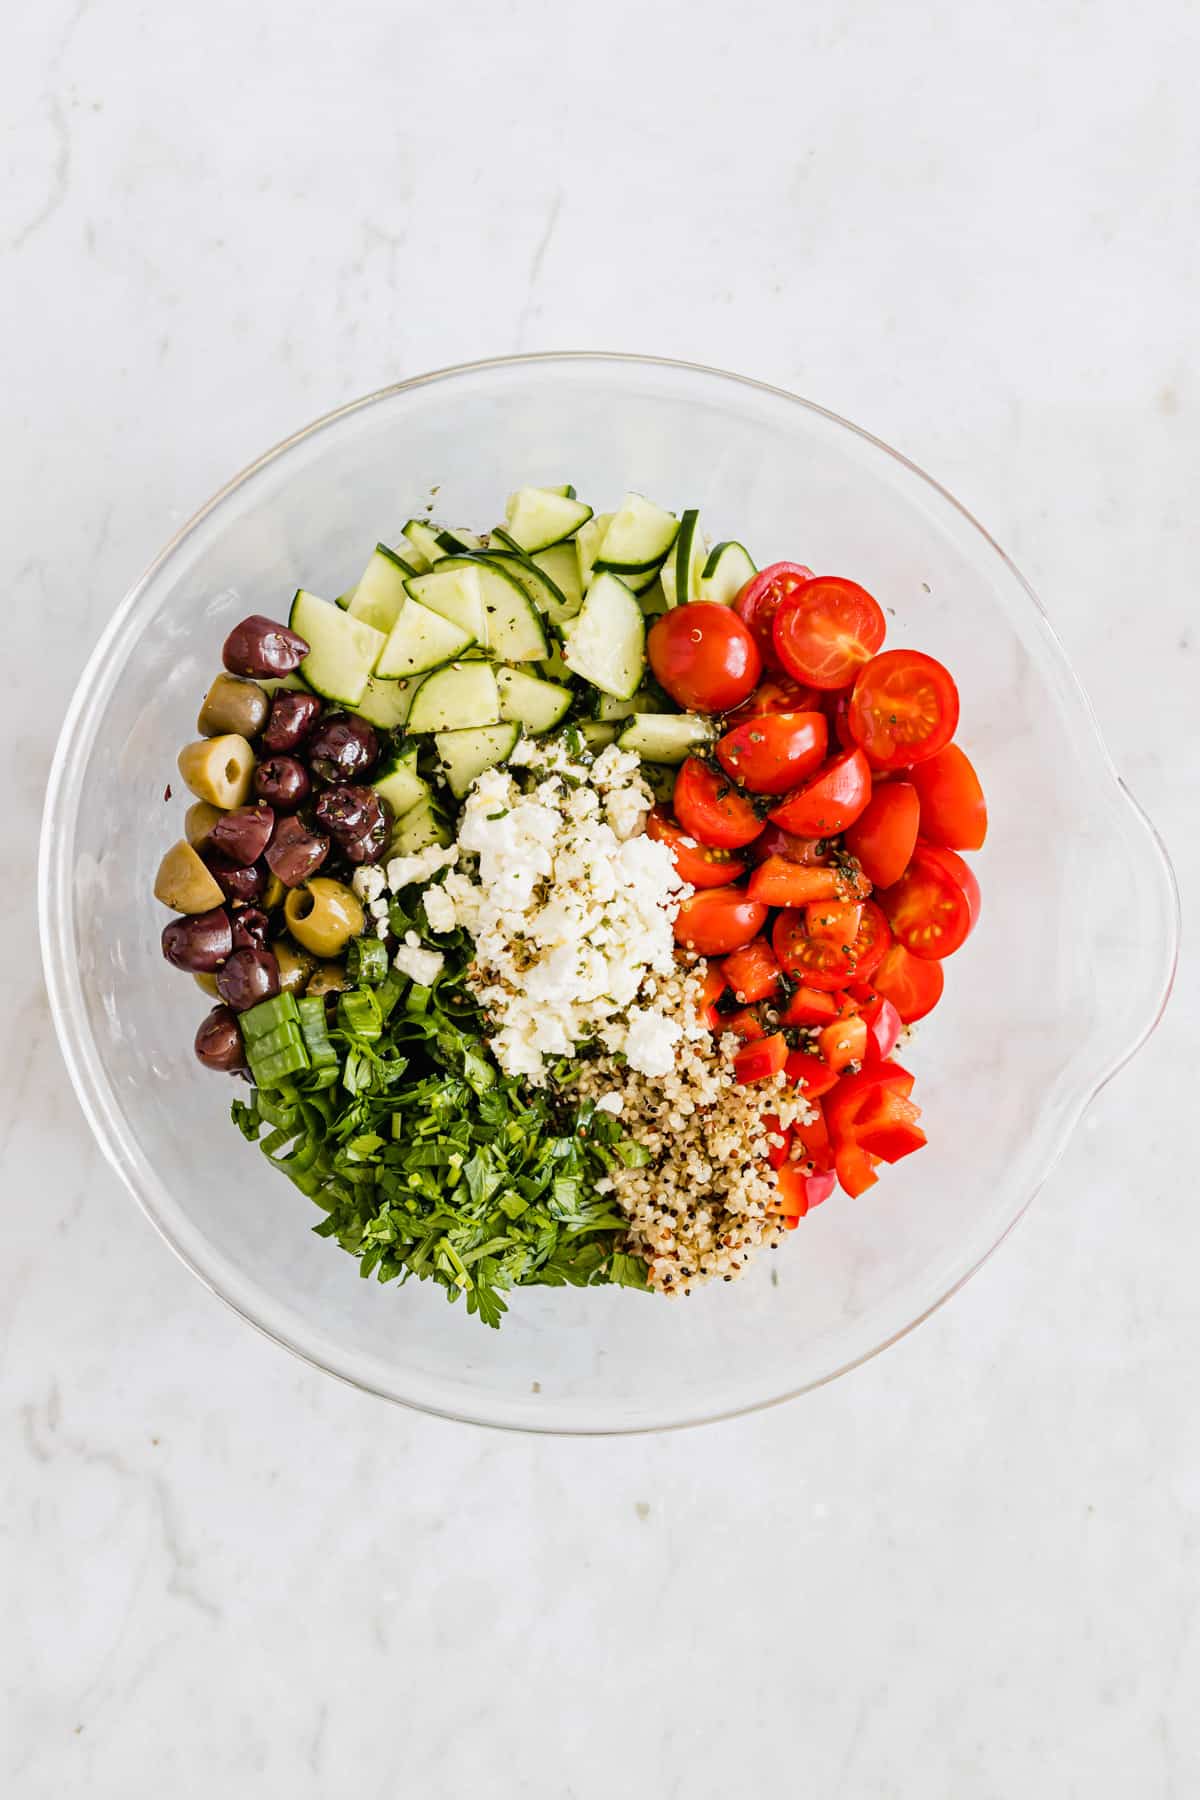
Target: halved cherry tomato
pixel 830 801
pixel 777 1154
pixel 843 1042
pixel 928 909
pixel 780 883
pixel 810 1073
pixel 818 962
pixel 744 1024
pixel 953 809
pixel 718 920
pixel 811 1006
pixel 837 920
pixel 711 810
pixel 884 836
pixel 759 601
pixel 904 708
pixel 826 630
pixel 757 1062
pixel 704 656
pixel 774 842
pixel 753 972
pixel 837 708
pixel 912 984
pixel 960 870
pixel 884 1026
pixel 814 1138
pixel 700 865
pixel 712 986
pixel 777 694
pixel 773 753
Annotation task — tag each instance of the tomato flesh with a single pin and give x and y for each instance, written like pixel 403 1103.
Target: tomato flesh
pixel 903 710
pixel 953 809
pixel 753 972
pixel 837 920
pixel 718 920
pixel 711 810
pixel 826 630
pixel 700 865
pixel 759 601
pixel 780 883
pixel 704 656
pixel 832 800
pixel 912 984
pixel 843 1042
pixel 928 909
pixel 774 752
pixel 884 835
pixel 821 963
pixel 777 694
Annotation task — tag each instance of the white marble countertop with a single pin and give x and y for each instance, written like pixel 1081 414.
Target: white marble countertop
pixel 968 1570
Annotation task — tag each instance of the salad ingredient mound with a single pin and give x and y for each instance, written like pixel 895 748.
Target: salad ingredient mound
pixel 566 891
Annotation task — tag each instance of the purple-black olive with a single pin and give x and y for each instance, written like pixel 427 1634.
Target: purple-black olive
pixel 250 927
pixel 346 812
pixel 248 977
pixel 295 852
pixel 370 845
pixel 243 835
pixel 237 881
pixel 219 1042
pixel 342 747
pixel 293 716
pixel 199 943
pixel 283 783
pixel 262 647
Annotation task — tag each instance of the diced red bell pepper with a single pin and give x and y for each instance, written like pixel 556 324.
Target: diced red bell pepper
pixel 843 1042
pixel 712 986
pixel 813 1137
pixel 810 1073
pixel 871 1112
pixel 809 1006
pixel 855 1170
pixel 744 1024
pixel 884 1026
pixel 753 971
pixel 798 1193
pixel 761 1060
pixel 777 1154
pixel 779 882
pixel 836 920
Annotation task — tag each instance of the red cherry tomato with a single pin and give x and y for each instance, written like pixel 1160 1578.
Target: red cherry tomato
pixel 826 630
pixel 819 962
pixel 712 986
pixel 929 908
pixel 752 972
pixel 838 710
pixel 884 835
pixel 830 801
pixel 837 920
pixel 711 810
pixel 912 984
pixel 759 601
pixel 843 1042
pixel 785 844
pixel 773 753
pixel 704 656
pixel 758 1062
pixel 904 709
pixel 953 809
pixel 775 694
pixel 778 882
pixel 959 870
pixel 718 920
pixel 698 864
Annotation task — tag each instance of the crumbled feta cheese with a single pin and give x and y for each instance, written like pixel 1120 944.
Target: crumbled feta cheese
pixel 611 1103
pixel 439 908
pixel 403 871
pixel 650 1041
pixel 378 909
pixel 420 965
pixel 369 884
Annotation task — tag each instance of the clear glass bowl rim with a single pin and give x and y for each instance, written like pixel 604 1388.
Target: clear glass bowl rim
pixel 62 795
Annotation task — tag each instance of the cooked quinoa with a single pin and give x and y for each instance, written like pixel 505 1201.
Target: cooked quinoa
pixel 698 1210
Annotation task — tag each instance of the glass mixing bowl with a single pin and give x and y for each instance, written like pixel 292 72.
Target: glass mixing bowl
pixel 1074 882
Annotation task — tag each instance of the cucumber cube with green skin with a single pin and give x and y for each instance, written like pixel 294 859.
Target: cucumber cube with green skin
pixel 466 754
pixel 419 829
pixel 728 568
pixel 527 700
pixel 456 698
pixel 420 640
pixel 536 518
pixel 342 652
pixel 456 594
pixel 607 642
pixel 379 595
pixel 666 737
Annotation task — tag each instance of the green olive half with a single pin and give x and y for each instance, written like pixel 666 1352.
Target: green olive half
pixel 219 770
pixel 184 884
pixel 323 915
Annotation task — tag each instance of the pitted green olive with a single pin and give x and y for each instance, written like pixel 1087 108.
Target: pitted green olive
pixel 323 915
pixel 219 770
pixel 198 822
pixel 184 883
pixel 295 966
pixel 273 893
pixel 330 978
pixel 233 704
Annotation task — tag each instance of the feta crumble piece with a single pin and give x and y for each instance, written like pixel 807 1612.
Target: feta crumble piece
pixel 403 871
pixel 420 965
pixel 439 908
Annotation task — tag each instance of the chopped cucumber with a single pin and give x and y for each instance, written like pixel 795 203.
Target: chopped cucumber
pixel 660 779
pixel 514 631
pixel 666 737
pixel 607 642
pixel 608 708
pixel 422 540
pixel 588 540
pixel 466 754
pixel 421 639
pixel 537 705
pixel 537 585
pixel 537 518
pixel 566 490
pixel 553 667
pixel 682 570
pixel 726 573
pixel 380 595
pixel 456 699
pixel 457 540
pixel 422 826
pixel 597 733
pixel 342 651
pixel 652 600
pixel 456 594
pixel 385 703
pixel 561 563
pixel 400 785
pixel 638 538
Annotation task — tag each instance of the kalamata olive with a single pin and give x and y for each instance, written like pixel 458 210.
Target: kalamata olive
pixel 295 852
pixel 283 782
pixel 346 812
pixel 237 881
pixel 372 843
pixel 293 716
pixel 263 647
pixel 232 704
pixel 200 942
pixel 219 1042
pixel 342 747
pixel 248 977
pixel 243 835
pixel 250 927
